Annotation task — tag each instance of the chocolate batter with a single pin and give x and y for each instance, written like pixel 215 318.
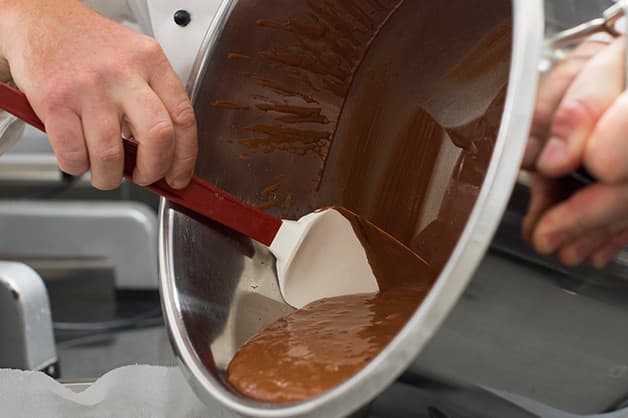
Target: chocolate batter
pixel 320 346
pixel 328 341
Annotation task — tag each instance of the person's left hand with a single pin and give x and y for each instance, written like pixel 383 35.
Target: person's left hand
pixel 581 120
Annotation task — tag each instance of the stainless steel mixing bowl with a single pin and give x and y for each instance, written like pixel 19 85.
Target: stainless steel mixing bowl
pixel 219 288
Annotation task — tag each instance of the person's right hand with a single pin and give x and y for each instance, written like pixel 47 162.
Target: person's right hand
pixel 581 120
pixel 89 79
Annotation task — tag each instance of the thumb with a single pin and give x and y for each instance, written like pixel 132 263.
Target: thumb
pixel 587 99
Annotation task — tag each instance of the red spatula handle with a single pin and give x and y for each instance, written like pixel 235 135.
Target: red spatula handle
pixel 200 196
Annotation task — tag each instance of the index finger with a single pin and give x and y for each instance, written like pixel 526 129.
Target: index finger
pixel 552 88
pixel 170 90
pixel 592 92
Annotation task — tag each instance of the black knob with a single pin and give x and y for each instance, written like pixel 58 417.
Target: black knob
pixel 182 18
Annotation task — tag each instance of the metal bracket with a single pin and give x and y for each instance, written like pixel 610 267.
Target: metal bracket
pixel 25 321
pixel 123 233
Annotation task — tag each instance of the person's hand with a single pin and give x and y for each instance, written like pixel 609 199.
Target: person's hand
pixel 581 120
pixel 89 79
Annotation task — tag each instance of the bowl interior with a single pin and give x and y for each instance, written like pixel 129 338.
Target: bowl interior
pixel 390 108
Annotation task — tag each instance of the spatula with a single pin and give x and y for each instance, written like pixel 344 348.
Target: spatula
pixel 318 256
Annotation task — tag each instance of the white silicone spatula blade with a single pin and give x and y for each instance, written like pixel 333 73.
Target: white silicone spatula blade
pixel 319 256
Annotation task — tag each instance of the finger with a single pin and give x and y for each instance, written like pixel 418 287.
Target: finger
pixel 168 87
pixel 605 255
pixel 544 194
pixel 589 96
pixel 552 89
pixel 591 208
pixel 152 128
pixel 576 252
pixel 606 153
pixel 101 125
pixel 65 133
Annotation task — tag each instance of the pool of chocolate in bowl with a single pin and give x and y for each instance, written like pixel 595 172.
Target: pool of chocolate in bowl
pixel 320 346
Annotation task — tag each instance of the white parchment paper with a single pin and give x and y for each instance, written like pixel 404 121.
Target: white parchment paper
pixel 132 391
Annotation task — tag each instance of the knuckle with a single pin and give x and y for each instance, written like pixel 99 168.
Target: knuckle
pixel 112 69
pixel 573 218
pixel 59 95
pixel 184 115
pixel 188 160
pixel 109 153
pixel 553 221
pixel 161 133
pixel 572 113
pixel 87 79
pixel 150 48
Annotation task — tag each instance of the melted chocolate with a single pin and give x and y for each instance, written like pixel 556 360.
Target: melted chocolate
pixel 320 346
pixel 326 342
pixel 476 141
pixel 394 265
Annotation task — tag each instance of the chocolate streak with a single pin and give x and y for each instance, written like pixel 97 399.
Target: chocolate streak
pixel 394 265
pixel 283 82
pixel 328 48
